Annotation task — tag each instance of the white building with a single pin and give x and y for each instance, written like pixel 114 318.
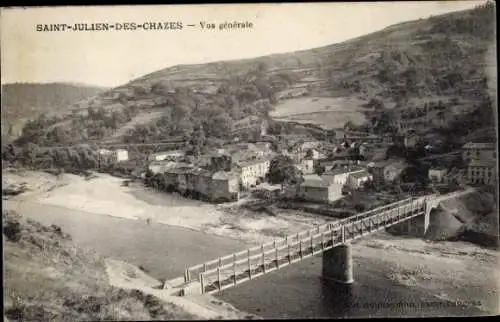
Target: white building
pixel 170 155
pixel 479 151
pixel 437 174
pixel 252 171
pixel 120 155
pixel 357 179
pixel 306 166
pixel 316 189
pixel 341 175
pixel 482 172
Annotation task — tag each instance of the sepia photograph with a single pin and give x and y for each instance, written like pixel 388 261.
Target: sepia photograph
pixel 250 161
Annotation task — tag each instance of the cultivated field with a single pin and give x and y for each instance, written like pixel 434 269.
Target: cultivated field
pixel 327 112
pixel 141 119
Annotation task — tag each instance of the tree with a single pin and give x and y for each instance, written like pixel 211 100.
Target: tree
pixel 184 127
pixel 197 140
pixel 221 125
pixel 349 126
pixel 10 153
pixel 359 207
pixel 376 103
pixel 283 170
pixel 30 152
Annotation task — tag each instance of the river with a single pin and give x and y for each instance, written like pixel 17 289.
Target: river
pixel 296 291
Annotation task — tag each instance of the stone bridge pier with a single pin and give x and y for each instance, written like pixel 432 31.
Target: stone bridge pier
pixel 416 226
pixel 338 265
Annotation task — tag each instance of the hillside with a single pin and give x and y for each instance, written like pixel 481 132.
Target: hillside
pixel 48 277
pixel 21 102
pixel 441 61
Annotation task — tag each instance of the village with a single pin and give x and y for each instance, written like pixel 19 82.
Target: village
pixel 335 176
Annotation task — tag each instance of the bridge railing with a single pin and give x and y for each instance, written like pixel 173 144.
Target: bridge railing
pixel 265 260
pixel 192 273
pixel 385 219
pixel 371 212
pixel 260 260
pixel 227 271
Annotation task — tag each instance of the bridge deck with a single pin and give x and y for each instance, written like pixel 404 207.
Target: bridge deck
pixel 228 271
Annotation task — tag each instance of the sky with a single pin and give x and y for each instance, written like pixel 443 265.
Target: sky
pixel 112 58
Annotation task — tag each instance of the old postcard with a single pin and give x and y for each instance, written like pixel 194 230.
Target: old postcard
pixel 250 161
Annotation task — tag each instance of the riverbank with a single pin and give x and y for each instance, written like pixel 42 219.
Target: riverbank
pixel 454 271
pixel 48 277
pixel 105 195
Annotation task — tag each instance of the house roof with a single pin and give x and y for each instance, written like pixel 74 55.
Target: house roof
pixel 269 187
pixel 438 169
pixel 105 151
pixel 361 174
pixel 311 177
pixel 474 145
pixel 397 166
pixel 343 170
pixel 314 181
pixel 247 163
pixel 483 163
pixel 170 152
pixel 380 164
pixel 247 121
pixel 223 175
pixel 180 170
pixel 161 166
pixel 310 144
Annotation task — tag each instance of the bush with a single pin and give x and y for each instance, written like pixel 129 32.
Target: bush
pixel 359 207
pixel 12 230
pixel 12 226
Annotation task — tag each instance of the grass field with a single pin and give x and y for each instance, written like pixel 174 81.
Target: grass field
pixel 327 112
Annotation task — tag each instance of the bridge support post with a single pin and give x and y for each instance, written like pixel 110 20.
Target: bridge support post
pixel 427 218
pixel 337 264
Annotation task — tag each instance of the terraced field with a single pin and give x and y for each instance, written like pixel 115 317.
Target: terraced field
pixel 326 112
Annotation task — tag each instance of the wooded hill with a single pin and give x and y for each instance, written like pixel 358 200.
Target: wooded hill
pixel 433 59
pixel 25 101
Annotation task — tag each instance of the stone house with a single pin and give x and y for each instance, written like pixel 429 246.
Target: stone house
pixel 174 155
pixel 120 155
pixel 201 183
pixel 357 179
pixel 306 166
pixel 107 156
pixel 225 186
pixel 252 171
pixel 479 151
pixel 482 172
pixel 411 140
pixel 437 175
pixel 340 175
pixel 316 189
pixel 387 171
pixel 251 124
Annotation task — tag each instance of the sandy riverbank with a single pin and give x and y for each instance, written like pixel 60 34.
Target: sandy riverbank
pixel 129 277
pixel 455 271
pixel 105 195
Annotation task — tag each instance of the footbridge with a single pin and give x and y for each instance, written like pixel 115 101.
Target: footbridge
pixel 332 240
